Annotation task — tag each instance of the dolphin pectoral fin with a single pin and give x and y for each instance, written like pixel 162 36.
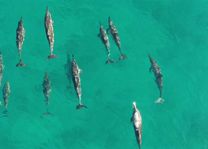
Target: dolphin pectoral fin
pixel 99 35
pixel 80 106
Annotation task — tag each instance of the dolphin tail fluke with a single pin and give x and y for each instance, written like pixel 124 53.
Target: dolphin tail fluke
pixel 20 63
pixel 47 112
pixel 160 100
pixel 51 56
pixel 109 61
pixel 122 56
pixel 80 106
pixel 51 53
pixel 5 112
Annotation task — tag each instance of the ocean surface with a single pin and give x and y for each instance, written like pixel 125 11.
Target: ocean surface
pixel 174 32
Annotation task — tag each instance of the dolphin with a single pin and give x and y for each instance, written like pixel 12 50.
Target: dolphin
pixel 158 77
pixel 103 35
pixel 114 32
pixel 20 36
pixel 6 93
pixel 46 88
pixel 1 67
pixel 49 32
pixel 77 81
pixel 137 122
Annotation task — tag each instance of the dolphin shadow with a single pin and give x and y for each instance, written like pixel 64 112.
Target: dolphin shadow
pixel 67 68
pixel 47 112
pixel 4 114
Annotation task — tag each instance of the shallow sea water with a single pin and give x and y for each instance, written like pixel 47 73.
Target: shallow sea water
pixel 174 32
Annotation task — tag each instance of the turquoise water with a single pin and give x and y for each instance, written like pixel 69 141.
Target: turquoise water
pixel 175 33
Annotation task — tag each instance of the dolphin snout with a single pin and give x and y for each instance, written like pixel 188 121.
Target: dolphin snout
pixel 134 105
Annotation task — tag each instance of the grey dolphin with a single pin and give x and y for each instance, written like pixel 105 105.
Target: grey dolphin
pixel 103 35
pixel 6 93
pixel 1 67
pixel 114 32
pixel 137 122
pixel 158 77
pixel 77 82
pixel 46 88
pixel 49 32
pixel 20 36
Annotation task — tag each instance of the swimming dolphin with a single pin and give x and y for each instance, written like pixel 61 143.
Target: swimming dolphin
pixel 114 32
pixel 137 122
pixel 46 88
pixel 1 67
pixel 158 76
pixel 77 82
pixel 103 35
pixel 49 32
pixel 6 93
pixel 20 36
